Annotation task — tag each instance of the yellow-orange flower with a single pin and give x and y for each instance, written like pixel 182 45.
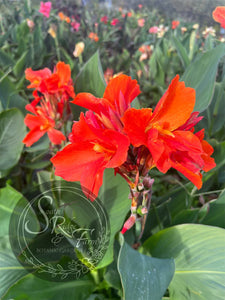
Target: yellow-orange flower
pixel 63 17
pixel 52 31
pixel 93 36
pixel 79 48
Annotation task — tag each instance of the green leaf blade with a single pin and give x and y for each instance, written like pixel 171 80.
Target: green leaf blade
pixel 199 256
pixel 201 75
pixel 143 277
pixel 91 79
pixel 12 132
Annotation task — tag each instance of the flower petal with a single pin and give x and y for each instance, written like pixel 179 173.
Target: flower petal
pixel 219 15
pixel 175 107
pixel 33 136
pixel 32 121
pixel 35 77
pixel 135 124
pixel 121 84
pixel 56 136
pixel 89 101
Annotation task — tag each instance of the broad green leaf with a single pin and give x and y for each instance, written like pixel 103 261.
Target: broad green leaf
pixel 181 51
pixel 199 256
pixel 6 90
pixel 114 195
pixel 9 94
pixel 12 132
pixel 17 101
pixel 10 269
pixel 143 277
pixel 5 60
pixel 91 79
pixel 31 287
pixel 20 65
pixel 8 199
pixel 216 212
pixel 10 272
pixel 201 74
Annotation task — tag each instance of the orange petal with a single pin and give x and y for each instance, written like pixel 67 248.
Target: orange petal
pixel 56 136
pixel 121 84
pixel 175 107
pixel 91 102
pixel 63 72
pixel 33 136
pixel 35 77
pixel 77 161
pixel 196 179
pixel 219 15
pixel 34 121
pixel 135 124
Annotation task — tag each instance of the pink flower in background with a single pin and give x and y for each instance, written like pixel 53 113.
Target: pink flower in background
pixel 129 14
pixel 140 6
pixel 114 22
pixel 45 8
pixel 104 19
pixel 153 29
pixel 75 25
pixel 141 22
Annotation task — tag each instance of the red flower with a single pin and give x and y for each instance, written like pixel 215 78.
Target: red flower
pixel 114 22
pixel 175 24
pixel 219 15
pixel 91 151
pixel 45 8
pixel 118 95
pixel 75 25
pixel 168 133
pixel 50 107
pixel 46 82
pixel 97 141
pixel 104 19
pixel 39 124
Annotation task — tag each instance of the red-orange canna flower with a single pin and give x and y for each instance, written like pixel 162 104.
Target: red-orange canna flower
pixel 168 133
pixel 39 124
pixel 219 15
pixel 91 151
pixel 118 95
pixel 50 107
pixel 97 141
pixel 175 24
pixel 57 82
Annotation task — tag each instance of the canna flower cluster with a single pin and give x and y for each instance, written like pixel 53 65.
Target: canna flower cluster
pixel 219 15
pixel 50 108
pixel 112 134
